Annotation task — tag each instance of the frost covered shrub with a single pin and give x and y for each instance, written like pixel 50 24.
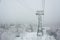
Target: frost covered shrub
pixel 52 33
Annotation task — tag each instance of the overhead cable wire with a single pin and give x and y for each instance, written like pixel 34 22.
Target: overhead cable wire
pixel 43 4
pixel 27 7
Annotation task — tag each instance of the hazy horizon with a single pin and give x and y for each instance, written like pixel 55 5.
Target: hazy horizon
pixel 23 11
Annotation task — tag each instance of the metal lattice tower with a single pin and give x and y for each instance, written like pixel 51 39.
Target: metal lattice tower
pixel 40 29
pixel 40 13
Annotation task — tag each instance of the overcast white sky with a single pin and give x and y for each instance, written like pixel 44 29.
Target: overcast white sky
pixel 23 11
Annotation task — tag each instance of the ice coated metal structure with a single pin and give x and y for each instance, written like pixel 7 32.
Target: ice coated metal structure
pixel 40 29
pixel 40 13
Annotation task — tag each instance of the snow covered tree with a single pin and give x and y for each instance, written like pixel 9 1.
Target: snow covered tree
pixel 31 28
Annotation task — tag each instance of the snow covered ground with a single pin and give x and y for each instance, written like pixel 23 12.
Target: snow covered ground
pixel 11 35
pixel 33 36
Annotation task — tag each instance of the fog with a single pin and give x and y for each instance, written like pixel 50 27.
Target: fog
pixel 24 11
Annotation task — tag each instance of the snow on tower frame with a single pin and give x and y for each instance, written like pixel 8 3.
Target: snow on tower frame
pixel 40 29
pixel 40 12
